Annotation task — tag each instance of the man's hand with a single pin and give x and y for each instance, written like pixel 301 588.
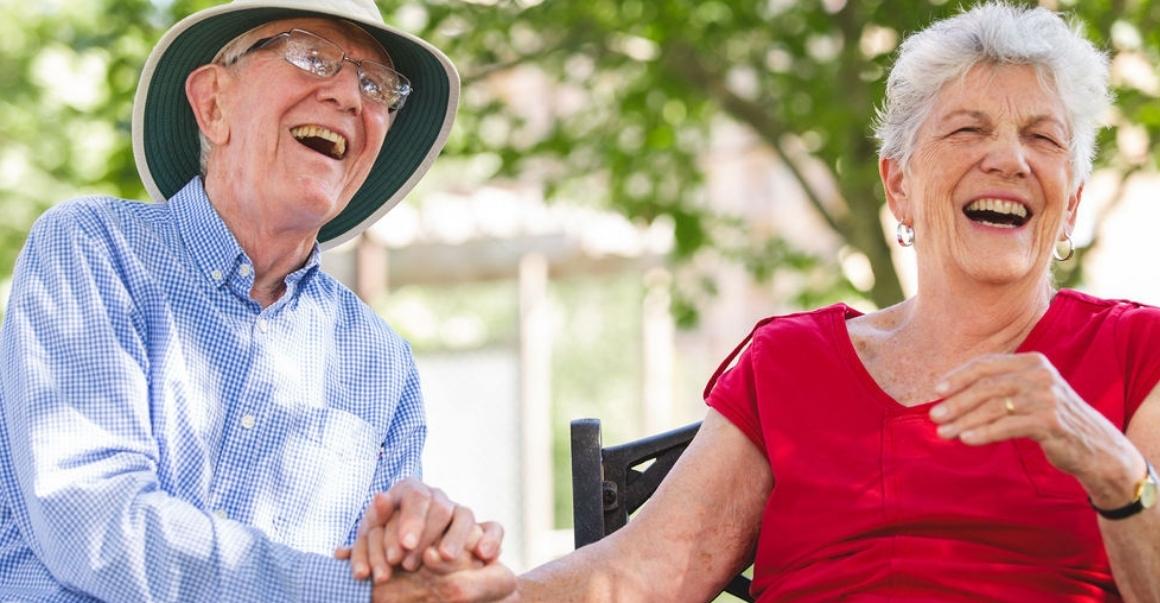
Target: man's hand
pixel 412 524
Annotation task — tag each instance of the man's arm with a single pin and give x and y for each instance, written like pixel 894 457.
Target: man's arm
pixel 77 441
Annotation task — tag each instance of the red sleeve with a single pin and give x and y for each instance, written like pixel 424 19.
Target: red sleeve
pixel 733 393
pixel 1139 332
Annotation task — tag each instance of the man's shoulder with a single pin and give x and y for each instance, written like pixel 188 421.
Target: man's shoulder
pixel 96 215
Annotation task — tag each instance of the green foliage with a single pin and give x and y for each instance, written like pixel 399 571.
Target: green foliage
pixel 628 93
pixel 654 77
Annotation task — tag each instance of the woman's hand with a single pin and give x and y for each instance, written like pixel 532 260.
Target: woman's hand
pixel 1005 396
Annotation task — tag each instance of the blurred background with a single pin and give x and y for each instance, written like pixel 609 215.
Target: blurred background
pixel 629 186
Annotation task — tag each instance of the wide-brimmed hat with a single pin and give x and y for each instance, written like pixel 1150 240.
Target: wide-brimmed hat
pixel 165 133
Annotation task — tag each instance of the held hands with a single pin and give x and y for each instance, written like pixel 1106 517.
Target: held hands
pixel 415 537
pixel 1005 396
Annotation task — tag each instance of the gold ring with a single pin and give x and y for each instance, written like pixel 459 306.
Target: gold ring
pixel 1009 405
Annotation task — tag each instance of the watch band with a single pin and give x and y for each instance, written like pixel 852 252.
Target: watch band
pixel 1149 481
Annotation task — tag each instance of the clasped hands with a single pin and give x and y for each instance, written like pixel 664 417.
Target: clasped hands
pixel 414 543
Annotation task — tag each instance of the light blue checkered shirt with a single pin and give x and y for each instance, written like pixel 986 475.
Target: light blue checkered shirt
pixel 166 439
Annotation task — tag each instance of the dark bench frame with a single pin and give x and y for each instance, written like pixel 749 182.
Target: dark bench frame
pixel 607 487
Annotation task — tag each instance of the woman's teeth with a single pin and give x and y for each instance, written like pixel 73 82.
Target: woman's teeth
pixel 997 212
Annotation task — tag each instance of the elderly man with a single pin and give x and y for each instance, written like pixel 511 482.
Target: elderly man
pixel 192 409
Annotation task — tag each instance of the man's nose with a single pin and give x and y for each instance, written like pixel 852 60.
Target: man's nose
pixel 343 88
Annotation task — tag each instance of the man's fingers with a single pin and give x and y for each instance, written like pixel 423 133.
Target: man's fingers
pixel 392 546
pixel 440 512
pixel 342 553
pixel 454 541
pixel 414 501
pixel 380 569
pixel 360 568
pixel 488 546
pixel 378 512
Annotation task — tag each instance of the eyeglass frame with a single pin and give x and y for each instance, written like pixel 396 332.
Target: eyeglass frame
pixel 403 88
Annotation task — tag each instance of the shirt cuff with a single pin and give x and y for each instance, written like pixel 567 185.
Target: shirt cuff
pixel 324 579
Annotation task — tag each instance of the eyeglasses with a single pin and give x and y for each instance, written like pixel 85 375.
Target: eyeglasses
pixel 314 54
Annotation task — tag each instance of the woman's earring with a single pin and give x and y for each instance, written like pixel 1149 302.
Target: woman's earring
pixel 905 234
pixel 1070 249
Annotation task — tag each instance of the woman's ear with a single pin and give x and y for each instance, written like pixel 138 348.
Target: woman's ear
pixel 204 88
pixel 1073 208
pixel 895 185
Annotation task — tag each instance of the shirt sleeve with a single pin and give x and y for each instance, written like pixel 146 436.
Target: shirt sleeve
pixel 1140 330
pixel 733 392
pixel 78 456
pixel 402 450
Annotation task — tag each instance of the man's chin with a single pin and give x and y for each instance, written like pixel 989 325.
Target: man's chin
pixel 321 199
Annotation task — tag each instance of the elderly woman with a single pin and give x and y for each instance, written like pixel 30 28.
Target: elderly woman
pixel 989 438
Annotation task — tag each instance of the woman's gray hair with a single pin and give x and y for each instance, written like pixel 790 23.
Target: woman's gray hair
pixel 996 33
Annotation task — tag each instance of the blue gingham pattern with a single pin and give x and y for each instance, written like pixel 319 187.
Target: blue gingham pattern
pixel 166 439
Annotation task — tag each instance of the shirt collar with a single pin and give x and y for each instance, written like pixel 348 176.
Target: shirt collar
pixel 213 247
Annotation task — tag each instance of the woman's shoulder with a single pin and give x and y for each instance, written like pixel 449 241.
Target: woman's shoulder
pixel 1090 307
pixel 815 323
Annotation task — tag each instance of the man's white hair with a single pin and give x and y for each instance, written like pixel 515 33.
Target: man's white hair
pixel 996 33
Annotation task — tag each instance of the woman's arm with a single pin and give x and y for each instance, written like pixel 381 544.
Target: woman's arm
pixel 697 531
pixel 1134 543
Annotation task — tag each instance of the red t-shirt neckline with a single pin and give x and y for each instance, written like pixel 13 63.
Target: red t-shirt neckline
pixel 842 313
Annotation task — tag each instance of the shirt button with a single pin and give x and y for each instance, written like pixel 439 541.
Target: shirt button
pixel 263 325
pixel 248 421
pixel 216 274
pixel 244 270
pixel 221 513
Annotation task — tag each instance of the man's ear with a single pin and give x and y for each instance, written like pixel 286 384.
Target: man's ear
pixel 895 185
pixel 204 88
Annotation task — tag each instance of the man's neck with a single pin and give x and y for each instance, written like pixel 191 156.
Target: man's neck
pixel 274 253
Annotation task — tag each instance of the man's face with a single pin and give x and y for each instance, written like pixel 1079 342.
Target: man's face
pixel 298 145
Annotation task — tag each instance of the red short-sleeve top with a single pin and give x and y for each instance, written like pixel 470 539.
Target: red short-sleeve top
pixel 869 504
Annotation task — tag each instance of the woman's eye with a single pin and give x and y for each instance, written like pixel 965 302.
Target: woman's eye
pixel 1048 139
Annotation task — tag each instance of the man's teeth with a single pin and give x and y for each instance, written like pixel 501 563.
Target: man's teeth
pixel 999 206
pixel 338 148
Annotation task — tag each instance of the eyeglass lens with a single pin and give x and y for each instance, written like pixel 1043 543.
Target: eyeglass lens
pixel 315 54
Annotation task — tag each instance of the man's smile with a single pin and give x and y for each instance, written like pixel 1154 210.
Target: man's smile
pixel 321 139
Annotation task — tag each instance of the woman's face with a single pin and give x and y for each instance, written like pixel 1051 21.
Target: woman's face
pixel 988 186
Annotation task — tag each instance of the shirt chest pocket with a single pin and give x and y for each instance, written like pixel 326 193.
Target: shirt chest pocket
pixel 322 474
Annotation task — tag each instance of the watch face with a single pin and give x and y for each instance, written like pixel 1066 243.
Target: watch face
pixel 1148 493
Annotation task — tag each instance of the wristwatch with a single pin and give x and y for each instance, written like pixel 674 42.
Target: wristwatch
pixel 1147 491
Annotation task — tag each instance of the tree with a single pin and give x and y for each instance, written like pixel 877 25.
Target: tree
pixel 654 78
pixel 805 77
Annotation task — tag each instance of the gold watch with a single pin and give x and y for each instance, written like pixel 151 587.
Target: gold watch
pixel 1147 491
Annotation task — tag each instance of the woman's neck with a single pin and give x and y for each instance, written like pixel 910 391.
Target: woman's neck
pixel 974 319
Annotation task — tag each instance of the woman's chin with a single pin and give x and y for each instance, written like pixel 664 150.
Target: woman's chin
pixel 1000 271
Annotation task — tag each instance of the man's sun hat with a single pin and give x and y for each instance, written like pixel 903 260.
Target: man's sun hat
pixel 165 134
